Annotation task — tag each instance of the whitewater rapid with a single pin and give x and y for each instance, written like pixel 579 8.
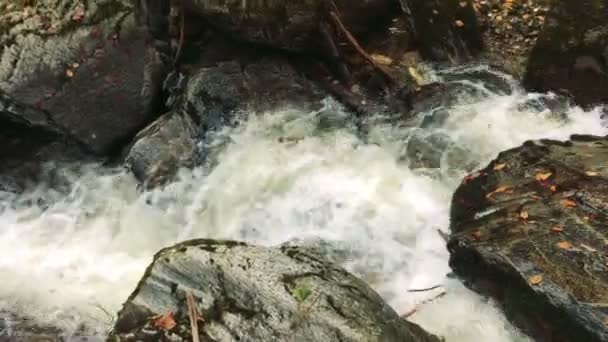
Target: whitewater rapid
pixel 74 255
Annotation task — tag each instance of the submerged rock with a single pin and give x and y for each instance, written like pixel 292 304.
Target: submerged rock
pixel 251 293
pixel 571 54
pixel 86 64
pixel 530 230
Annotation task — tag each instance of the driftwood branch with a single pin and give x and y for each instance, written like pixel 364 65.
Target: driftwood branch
pixel 353 42
pixel 415 309
pixel 193 315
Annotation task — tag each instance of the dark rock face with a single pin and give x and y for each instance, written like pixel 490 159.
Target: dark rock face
pixel 87 67
pixel 289 25
pixel 222 91
pixel 250 293
pixel 571 54
pixel 446 31
pixel 530 230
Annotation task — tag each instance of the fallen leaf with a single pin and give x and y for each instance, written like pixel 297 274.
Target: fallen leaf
pixel 499 167
pixel 557 229
pixel 543 176
pixel 459 23
pixel 569 203
pixel 78 13
pixel 553 188
pixel 589 248
pixel 535 279
pixel 463 4
pixel 75 65
pixel 498 190
pixel 69 73
pixel 476 234
pixel 165 322
pixel 381 59
pixel 470 177
pixel 591 173
pixel 586 218
pixel 564 245
pixel 524 215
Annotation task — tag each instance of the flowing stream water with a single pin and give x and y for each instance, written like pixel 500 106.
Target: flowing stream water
pixel 73 255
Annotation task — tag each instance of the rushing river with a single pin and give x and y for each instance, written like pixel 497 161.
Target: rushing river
pixel 74 254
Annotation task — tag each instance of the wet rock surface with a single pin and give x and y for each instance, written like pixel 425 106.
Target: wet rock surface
pixel 530 230
pixel 223 87
pixel 571 54
pixel 250 293
pixel 290 25
pixel 86 65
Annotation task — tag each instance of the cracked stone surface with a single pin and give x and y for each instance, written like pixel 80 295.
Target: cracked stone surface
pixel 247 293
pixel 531 230
pixel 86 66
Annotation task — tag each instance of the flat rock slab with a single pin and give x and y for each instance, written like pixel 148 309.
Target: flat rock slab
pixel 249 293
pixel 531 230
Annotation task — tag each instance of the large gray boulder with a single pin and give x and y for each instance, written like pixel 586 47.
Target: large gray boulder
pixel 530 230
pixel 249 293
pixel 87 65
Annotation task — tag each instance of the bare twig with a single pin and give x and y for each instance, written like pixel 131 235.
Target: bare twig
pixel 415 309
pixel 353 41
pixel 193 315
pixel 425 289
pixel 180 44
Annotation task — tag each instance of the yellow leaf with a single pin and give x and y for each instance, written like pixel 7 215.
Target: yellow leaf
pixel 524 215
pixel 535 279
pixel 569 203
pixel 543 176
pixel 557 229
pixel 564 245
pixel 165 322
pixel 69 73
pixel 553 188
pixel 499 167
pixel 591 173
pixel 381 59
pixel 498 190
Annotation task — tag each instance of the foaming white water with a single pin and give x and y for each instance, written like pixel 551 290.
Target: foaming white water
pixel 86 251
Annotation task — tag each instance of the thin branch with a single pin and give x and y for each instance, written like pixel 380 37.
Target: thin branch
pixel 415 309
pixel 425 289
pixel 193 315
pixel 351 39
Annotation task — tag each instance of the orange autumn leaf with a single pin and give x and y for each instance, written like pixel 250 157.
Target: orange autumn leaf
pixel 557 229
pixel 564 245
pixel 164 322
pixel 569 203
pixel 498 190
pixel 499 167
pixel 543 176
pixel 535 279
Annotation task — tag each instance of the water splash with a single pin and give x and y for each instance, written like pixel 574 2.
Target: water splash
pixel 70 255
